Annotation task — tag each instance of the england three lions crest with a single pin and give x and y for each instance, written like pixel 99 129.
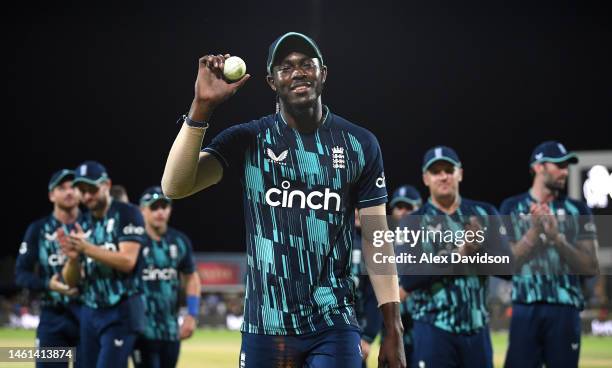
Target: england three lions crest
pixel 338 160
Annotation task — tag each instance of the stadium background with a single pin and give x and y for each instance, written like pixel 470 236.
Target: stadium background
pixel 108 81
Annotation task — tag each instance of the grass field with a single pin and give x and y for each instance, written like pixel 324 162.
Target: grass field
pixel 219 349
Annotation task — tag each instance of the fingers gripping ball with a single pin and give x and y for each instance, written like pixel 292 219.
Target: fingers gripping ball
pixel 234 68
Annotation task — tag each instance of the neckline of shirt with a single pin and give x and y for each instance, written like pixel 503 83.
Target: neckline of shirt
pixel 457 211
pixel 327 118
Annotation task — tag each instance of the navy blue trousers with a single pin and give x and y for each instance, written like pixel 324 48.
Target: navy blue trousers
pixel 156 353
pixel 108 334
pixel 436 348
pixel 59 327
pixel 544 334
pixel 326 349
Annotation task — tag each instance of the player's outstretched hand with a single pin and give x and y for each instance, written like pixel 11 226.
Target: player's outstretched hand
pixel 188 326
pixel 211 88
pixel 56 284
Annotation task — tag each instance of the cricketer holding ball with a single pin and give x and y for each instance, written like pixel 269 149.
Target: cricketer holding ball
pixel 304 170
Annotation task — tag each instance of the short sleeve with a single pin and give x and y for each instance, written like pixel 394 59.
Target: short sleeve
pixel 131 225
pixel 228 147
pixel 371 187
pixel 187 263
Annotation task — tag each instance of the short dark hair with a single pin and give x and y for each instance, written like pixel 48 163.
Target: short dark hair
pixel 119 193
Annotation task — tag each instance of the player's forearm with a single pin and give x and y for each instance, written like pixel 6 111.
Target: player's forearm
pixel 193 285
pixel 391 318
pixel 193 291
pixel 383 276
pixel 120 261
pixel 524 246
pixel 579 259
pixel 72 272
pixel 180 173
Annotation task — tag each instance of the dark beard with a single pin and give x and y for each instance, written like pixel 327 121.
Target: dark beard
pixel 99 206
pixel 554 188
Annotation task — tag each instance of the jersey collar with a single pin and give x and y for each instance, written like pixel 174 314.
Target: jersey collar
pixel 327 118
pixel 458 210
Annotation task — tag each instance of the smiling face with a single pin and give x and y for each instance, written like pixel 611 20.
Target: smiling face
pixel 443 178
pixel 298 79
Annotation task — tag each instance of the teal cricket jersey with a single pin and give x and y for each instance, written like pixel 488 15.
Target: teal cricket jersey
pixel 545 278
pixel 163 263
pixel 300 192
pixel 456 304
pixel 104 286
pixel 40 247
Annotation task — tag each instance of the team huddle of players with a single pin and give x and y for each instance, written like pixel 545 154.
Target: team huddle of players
pixel 552 239
pixel 109 277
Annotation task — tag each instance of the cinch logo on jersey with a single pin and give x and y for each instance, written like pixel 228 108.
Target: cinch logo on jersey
pixel 56 259
pixel 165 274
pixel 380 181
pixel 131 229
pixel 314 200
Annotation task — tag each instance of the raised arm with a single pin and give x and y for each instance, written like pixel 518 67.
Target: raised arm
pixel 187 169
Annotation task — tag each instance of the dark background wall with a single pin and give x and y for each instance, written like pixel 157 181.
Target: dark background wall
pixel 108 82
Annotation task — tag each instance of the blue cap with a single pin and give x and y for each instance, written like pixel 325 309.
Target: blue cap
pixel 407 194
pixel 90 172
pixel 59 177
pixel 300 41
pixel 440 153
pixel 552 151
pixel 153 194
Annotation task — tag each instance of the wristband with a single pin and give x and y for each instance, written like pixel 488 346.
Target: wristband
pixel 193 305
pixel 193 123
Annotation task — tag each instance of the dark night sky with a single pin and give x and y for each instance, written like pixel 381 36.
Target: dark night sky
pixel 108 83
